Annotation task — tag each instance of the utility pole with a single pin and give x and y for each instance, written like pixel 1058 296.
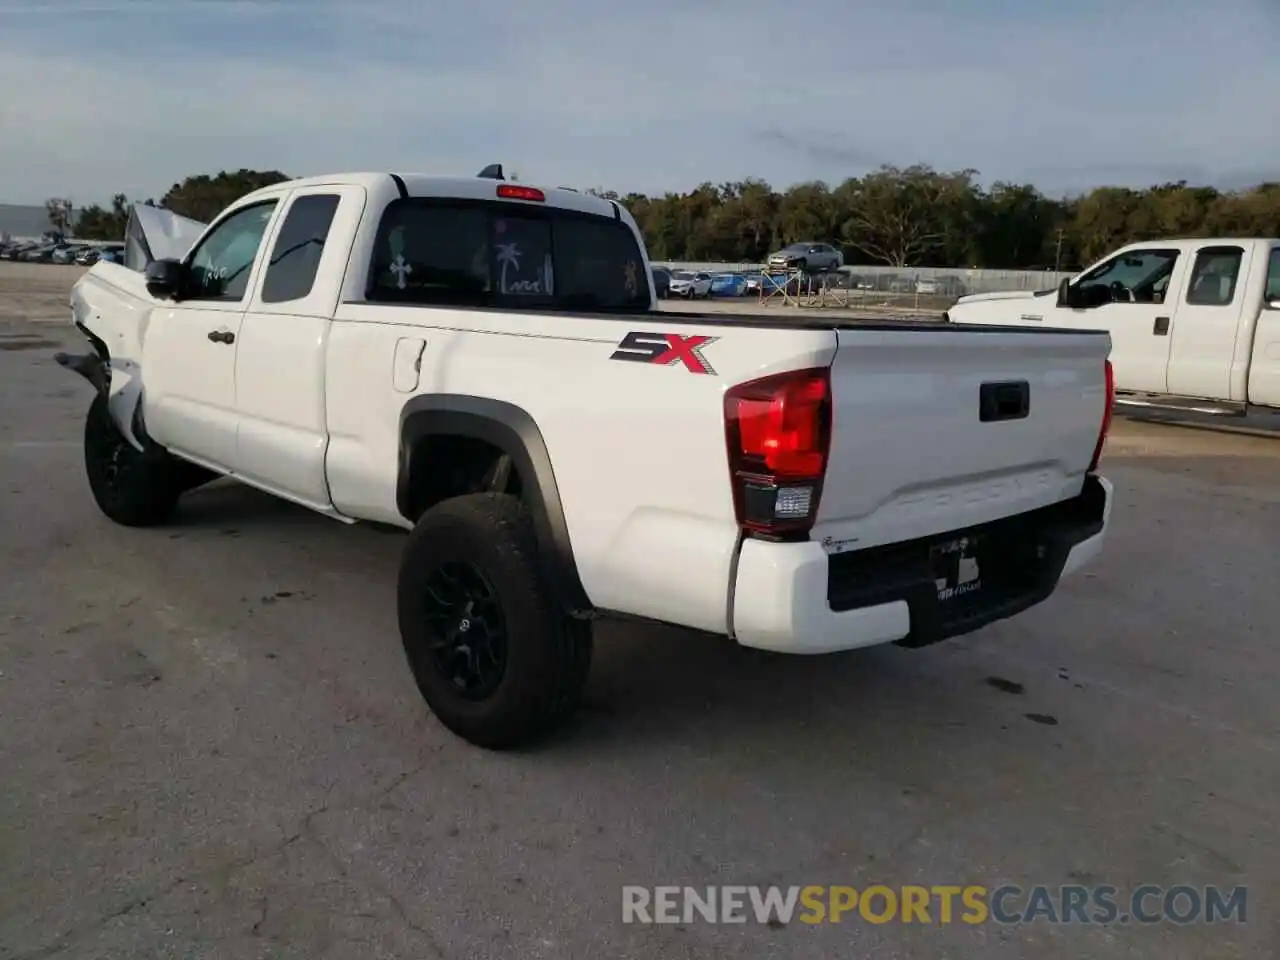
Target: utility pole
pixel 1057 257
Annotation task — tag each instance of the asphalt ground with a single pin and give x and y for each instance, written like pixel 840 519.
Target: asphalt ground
pixel 210 744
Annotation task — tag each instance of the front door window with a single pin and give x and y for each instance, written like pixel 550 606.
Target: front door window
pixel 220 267
pixel 1139 276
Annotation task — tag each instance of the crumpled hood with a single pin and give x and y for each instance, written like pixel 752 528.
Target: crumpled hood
pixel 154 233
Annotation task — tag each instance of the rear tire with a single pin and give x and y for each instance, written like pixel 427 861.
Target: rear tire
pixel 495 657
pixel 134 488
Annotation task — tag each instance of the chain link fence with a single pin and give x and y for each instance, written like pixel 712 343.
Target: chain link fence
pixel 910 286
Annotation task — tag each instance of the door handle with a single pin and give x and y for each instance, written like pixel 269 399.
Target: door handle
pixel 222 336
pixel 1161 327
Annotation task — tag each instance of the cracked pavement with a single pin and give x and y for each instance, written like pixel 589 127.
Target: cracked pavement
pixel 210 746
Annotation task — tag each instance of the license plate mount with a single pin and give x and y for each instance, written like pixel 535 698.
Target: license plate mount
pixel 955 568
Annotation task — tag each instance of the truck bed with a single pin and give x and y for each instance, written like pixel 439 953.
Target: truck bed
pixel 813 321
pixel 817 321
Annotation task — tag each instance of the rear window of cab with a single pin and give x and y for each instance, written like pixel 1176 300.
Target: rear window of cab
pixel 509 256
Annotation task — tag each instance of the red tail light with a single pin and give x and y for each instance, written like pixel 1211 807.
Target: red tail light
pixel 509 191
pixel 778 430
pixel 1106 419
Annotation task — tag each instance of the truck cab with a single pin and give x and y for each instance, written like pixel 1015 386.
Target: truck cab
pixel 1194 324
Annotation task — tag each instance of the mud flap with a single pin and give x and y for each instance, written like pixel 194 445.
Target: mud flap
pixel 117 382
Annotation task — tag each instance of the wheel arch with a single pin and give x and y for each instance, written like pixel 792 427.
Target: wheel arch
pixel 513 431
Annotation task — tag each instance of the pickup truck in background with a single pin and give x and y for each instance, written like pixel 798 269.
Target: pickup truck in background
pixel 483 363
pixel 1194 324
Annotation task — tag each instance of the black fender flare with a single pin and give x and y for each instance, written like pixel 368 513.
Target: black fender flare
pixel 513 431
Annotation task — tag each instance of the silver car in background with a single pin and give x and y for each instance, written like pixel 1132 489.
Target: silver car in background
pixel 809 256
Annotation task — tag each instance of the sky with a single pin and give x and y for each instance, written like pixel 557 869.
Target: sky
pixel 108 96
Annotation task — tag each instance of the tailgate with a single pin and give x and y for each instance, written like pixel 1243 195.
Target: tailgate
pixel 911 453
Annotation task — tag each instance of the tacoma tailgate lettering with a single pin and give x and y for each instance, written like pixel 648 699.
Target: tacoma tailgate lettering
pixel 665 349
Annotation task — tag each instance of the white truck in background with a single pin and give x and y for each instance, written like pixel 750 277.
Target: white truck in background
pixel 1194 324
pixel 483 363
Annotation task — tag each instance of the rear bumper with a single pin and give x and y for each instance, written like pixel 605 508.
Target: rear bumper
pixel 793 598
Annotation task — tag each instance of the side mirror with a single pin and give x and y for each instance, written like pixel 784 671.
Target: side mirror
pixel 1069 296
pixel 164 279
pixel 1064 293
pixel 1273 303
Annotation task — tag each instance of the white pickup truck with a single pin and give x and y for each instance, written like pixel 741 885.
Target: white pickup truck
pixel 1194 324
pixel 484 363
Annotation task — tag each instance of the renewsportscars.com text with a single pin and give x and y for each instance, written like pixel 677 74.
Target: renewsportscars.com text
pixel 944 904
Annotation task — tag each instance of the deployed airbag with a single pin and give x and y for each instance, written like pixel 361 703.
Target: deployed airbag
pixel 154 233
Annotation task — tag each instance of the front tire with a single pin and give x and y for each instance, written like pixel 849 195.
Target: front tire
pixel 134 488
pixel 494 656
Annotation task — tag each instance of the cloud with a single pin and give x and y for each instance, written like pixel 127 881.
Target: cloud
pixel 131 95
pixel 823 148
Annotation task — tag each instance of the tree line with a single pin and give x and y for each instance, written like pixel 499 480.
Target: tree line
pixel 896 216
pixel 199 197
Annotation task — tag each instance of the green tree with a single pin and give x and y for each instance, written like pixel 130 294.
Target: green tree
pixel 902 216
pixel 1012 225
pixel 95 223
pixel 59 212
pixel 203 197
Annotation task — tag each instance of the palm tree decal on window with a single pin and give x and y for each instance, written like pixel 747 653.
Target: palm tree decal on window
pixel 508 256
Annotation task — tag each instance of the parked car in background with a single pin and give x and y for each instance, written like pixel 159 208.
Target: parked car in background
pixel 111 252
pixel 16 250
pixel 661 282
pixel 728 285
pixel 950 286
pixel 766 283
pixel 685 283
pixel 809 256
pixel 944 286
pixel 39 254
pixel 67 253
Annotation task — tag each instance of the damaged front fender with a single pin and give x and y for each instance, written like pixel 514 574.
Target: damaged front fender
pixel 112 308
pixel 89 366
pixel 114 382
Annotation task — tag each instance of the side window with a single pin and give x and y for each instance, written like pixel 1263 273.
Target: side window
pixel 1139 276
pixel 1214 275
pixel 1273 275
pixel 296 256
pixel 220 266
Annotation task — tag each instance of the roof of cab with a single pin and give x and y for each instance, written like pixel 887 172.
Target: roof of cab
pixel 1199 241
pixel 424 185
